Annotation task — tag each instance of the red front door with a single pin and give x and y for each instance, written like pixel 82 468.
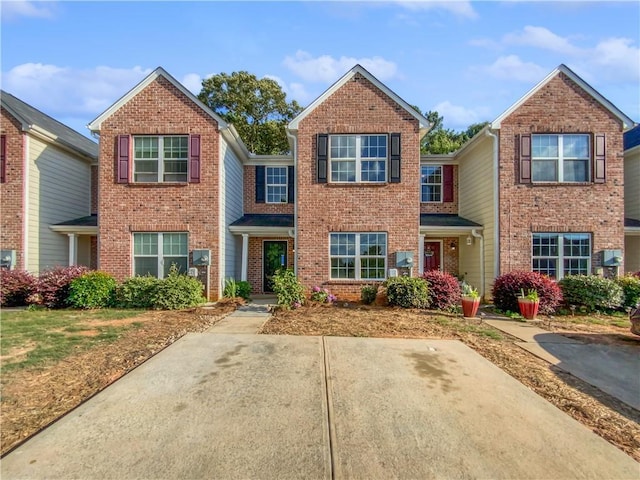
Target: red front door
pixel 431 256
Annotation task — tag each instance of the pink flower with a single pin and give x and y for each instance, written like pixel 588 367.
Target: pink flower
pixel 316 289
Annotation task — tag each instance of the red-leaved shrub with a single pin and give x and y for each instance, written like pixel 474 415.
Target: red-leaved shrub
pixel 16 286
pixel 507 287
pixel 53 285
pixel 444 289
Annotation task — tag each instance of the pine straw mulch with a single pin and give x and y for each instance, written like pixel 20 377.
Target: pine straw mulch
pixel 613 420
pixel 34 398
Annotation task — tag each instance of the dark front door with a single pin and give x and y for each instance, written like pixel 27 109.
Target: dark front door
pixel 274 256
pixel 431 256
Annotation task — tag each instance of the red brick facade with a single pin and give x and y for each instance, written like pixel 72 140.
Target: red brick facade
pixel 560 106
pixel 357 107
pixel 159 109
pixel 11 191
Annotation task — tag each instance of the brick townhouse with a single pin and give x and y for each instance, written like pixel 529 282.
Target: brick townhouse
pixel 540 188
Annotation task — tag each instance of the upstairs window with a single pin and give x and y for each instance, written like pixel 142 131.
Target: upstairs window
pixel 431 183
pixel 154 253
pixel 160 158
pixel 276 184
pixel 559 255
pixel 358 158
pixel 560 158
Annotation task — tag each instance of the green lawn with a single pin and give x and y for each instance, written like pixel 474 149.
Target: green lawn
pixel 32 338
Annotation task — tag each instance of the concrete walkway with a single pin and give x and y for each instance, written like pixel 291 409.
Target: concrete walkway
pixel 248 318
pixel 612 368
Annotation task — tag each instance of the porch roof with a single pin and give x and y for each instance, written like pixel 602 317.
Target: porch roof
pixel 84 225
pixel 446 224
pixel 632 227
pixel 263 224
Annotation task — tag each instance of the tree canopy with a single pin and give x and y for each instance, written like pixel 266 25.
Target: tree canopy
pixel 257 108
pixel 442 140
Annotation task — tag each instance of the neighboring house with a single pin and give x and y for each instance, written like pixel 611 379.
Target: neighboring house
pixel 48 203
pixel 632 200
pixel 540 188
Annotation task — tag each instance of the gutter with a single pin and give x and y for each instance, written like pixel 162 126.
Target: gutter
pixel 294 151
pixel 496 202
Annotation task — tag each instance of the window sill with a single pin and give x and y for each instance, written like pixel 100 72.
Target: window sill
pixel 356 184
pixel 350 281
pixel 561 184
pixel 157 184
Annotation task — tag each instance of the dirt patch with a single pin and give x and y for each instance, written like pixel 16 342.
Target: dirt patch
pixel 605 415
pixel 33 398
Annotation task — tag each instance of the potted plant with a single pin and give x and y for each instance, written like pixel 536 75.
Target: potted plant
pixel 470 301
pixel 528 304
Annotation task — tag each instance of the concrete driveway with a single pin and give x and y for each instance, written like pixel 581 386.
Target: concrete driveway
pixel 221 406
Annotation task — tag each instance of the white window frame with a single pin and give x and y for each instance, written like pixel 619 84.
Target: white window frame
pixel 285 197
pixel 561 257
pixel 422 183
pixel 358 159
pixel 358 257
pixel 160 255
pixel 560 158
pixel 160 160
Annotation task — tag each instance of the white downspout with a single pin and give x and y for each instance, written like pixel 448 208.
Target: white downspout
pixel 294 138
pixel 476 234
pixel 496 204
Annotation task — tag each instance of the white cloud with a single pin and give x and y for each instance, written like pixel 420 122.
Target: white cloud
pixel 327 69
pixel 616 58
pixel 63 91
pixel 510 67
pixel 23 8
pixel 456 116
pixel 542 38
pixel 295 91
pixel 193 82
pixel 460 8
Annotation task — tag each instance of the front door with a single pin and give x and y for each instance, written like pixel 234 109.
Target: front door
pixel 274 254
pixel 431 256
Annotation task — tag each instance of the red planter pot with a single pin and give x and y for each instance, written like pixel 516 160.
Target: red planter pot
pixel 470 306
pixel 528 308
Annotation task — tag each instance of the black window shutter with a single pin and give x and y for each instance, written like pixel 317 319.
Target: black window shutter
pixel 194 159
pixel 322 156
pixel 3 158
pixel 290 184
pixel 599 158
pixel 395 159
pixel 260 184
pixel 525 158
pixel 123 159
pixel 447 183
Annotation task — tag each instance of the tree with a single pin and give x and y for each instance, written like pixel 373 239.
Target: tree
pixel 257 108
pixel 442 140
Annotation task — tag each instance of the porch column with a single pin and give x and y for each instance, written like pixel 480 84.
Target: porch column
pixel 421 254
pixel 245 257
pixel 73 249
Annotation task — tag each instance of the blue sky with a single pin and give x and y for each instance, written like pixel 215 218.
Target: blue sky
pixel 468 60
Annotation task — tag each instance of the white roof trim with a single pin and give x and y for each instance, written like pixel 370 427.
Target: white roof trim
pixel 86 230
pixel 435 231
pixel 584 85
pixel 261 231
pixel 293 125
pixel 632 231
pixel 95 125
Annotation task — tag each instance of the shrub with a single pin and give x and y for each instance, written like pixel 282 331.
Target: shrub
pixel 234 289
pixel 288 289
pixel 368 294
pixel 591 292
pixel 444 289
pixel 16 286
pixel 322 295
pixel 407 292
pixel 53 285
pixel 630 290
pixel 92 290
pixel 137 292
pixel 178 291
pixel 508 287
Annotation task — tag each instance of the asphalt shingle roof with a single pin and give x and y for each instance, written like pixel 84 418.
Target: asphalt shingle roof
pixel 264 220
pixel 445 220
pixel 632 138
pixel 88 221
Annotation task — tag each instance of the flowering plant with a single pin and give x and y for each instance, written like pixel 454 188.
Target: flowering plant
pixel 322 295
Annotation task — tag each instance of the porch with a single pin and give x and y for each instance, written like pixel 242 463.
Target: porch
pixel 82 235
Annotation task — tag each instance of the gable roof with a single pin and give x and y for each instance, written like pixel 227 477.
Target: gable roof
pixel 95 125
pixel 632 138
pixel 627 122
pixel 32 118
pixel 423 122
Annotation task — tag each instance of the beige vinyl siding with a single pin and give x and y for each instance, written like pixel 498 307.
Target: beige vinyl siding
pixel 476 202
pixel 59 189
pixel 631 253
pixel 231 209
pixel 632 183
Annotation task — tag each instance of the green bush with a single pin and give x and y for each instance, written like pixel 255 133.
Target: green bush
pixel 407 292
pixel 137 292
pixel 178 291
pixel 368 294
pixel 234 289
pixel 288 289
pixel 92 290
pixel 630 290
pixel 591 292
